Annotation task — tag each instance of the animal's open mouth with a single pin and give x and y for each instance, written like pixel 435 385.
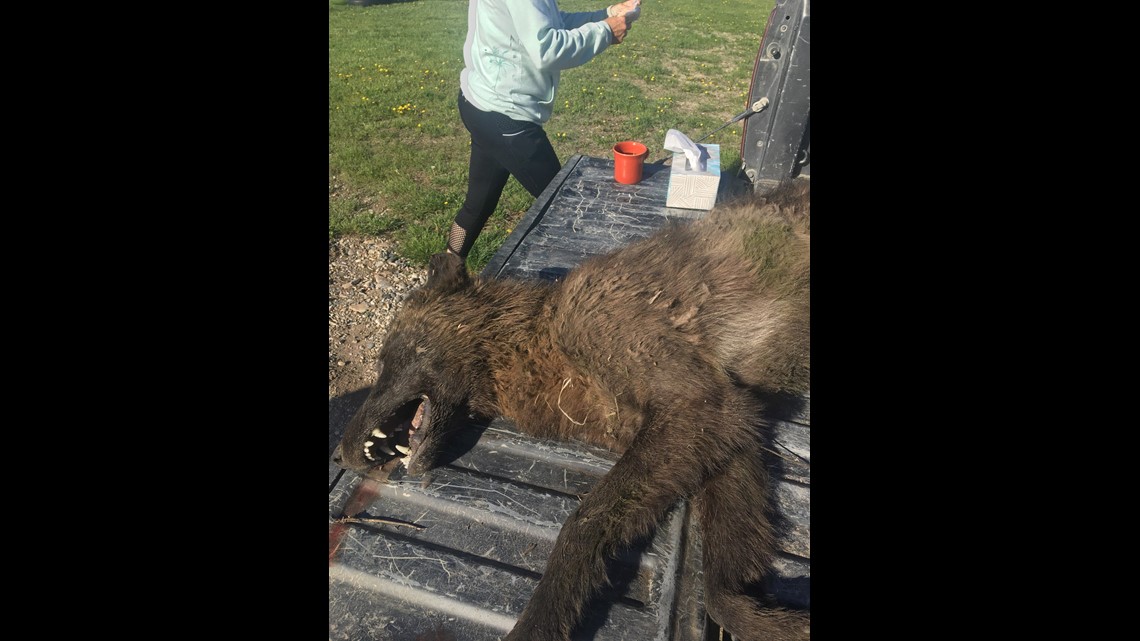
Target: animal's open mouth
pixel 397 436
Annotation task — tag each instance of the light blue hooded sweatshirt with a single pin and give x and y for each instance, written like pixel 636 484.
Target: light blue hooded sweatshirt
pixel 516 50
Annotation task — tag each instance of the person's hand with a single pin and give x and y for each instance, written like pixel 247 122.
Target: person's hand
pixel 631 9
pixel 618 26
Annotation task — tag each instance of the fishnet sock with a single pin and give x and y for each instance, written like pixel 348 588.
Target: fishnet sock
pixel 455 240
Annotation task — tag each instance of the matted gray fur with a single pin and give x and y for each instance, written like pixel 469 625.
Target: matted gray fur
pixel 666 351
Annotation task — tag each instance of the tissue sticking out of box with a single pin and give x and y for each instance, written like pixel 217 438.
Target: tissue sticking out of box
pixel 696 155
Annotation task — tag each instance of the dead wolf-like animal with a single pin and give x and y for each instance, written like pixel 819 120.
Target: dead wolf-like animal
pixel 664 351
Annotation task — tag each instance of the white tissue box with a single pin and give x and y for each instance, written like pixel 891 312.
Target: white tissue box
pixel 691 189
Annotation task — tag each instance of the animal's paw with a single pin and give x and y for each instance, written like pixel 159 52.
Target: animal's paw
pixel 515 635
pixel 526 631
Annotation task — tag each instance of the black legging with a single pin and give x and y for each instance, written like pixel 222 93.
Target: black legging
pixel 500 148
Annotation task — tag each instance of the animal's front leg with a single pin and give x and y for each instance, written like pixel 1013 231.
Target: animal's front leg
pixel 660 466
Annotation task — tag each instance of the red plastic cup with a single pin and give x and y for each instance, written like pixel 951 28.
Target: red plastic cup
pixel 629 161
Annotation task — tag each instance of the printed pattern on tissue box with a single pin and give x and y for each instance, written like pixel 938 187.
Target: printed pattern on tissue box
pixel 690 189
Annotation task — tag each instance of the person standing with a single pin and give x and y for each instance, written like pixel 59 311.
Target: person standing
pixel 513 56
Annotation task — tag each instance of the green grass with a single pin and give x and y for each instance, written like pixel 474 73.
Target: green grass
pixel 398 151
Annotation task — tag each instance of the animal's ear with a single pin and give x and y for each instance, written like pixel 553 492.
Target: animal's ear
pixel 447 272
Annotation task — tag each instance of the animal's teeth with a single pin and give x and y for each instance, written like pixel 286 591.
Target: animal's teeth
pixel 368 455
pixel 368 444
pixel 387 450
pixel 377 432
pixel 403 449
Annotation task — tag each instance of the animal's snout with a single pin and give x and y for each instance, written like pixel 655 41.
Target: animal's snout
pixel 337 455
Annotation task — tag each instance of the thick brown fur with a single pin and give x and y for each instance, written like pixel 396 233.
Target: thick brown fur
pixel 663 351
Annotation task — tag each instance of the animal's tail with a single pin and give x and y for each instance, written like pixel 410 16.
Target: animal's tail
pixel 746 622
pixel 739 539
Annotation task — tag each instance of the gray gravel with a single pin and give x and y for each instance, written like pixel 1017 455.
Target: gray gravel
pixel 367 285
